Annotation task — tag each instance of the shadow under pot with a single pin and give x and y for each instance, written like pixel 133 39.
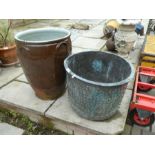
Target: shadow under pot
pixel 41 53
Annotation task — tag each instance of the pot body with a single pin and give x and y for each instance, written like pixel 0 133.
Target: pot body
pixel 96 83
pixel 8 55
pixel 42 63
pixel 110 44
pixel 110 27
pixel 125 39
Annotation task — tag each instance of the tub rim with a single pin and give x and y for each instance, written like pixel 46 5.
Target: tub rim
pixel 68 70
pixel 18 34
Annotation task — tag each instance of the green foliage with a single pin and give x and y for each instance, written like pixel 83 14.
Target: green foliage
pixel 6 34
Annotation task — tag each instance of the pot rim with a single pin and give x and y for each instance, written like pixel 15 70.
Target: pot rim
pixel 131 22
pixel 68 70
pixel 18 34
pixel 8 47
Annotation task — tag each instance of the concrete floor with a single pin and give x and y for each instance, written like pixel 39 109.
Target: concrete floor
pixel 58 112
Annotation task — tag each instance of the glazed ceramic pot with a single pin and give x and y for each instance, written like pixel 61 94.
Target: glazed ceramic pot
pixel 110 44
pixel 110 27
pixel 108 31
pixel 8 56
pixel 41 53
pixel 125 37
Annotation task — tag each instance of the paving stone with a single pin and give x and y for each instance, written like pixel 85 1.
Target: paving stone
pixel 104 48
pixel 33 116
pixel 98 28
pixel 136 131
pixel 153 127
pixel 9 73
pixel 22 78
pixel 91 21
pixel 76 33
pixel 103 22
pixel 75 20
pixel 22 96
pixel 7 129
pixel 131 84
pixel 78 50
pixel 134 56
pixel 127 129
pixel 145 23
pixel 63 23
pixel 139 43
pixel 148 133
pixel 151 92
pixel 141 130
pixel 94 34
pixel 89 43
pixel 61 111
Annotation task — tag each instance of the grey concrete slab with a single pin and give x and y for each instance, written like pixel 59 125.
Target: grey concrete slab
pixel 153 127
pixel 151 92
pixel 135 54
pixel 22 78
pixel 9 73
pixel 78 50
pixel 94 34
pixel 67 24
pixel 7 129
pixel 33 116
pixel 75 33
pixel 145 22
pixel 75 20
pixel 136 131
pixel 91 21
pixel 131 84
pixel 99 28
pixel 61 111
pixel 22 96
pixel 127 130
pixel 89 43
pixel 134 57
pixel 148 133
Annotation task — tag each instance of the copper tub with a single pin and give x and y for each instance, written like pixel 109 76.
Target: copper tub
pixel 41 53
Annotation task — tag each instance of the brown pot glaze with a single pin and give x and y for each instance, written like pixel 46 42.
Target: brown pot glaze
pixel 8 55
pixel 110 44
pixel 43 65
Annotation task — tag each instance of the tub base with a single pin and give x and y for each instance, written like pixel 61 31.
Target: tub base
pixel 94 118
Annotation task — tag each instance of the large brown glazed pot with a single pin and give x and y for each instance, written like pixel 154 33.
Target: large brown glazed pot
pixel 41 53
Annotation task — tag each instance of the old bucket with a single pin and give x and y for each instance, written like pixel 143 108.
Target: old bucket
pixel 96 83
pixel 41 53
